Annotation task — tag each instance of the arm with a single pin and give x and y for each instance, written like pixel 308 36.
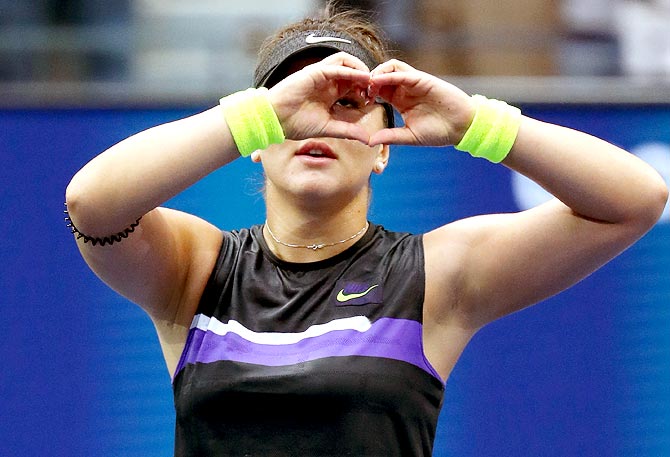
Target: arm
pixel 606 199
pixel 130 180
pixel 164 264
pixel 143 171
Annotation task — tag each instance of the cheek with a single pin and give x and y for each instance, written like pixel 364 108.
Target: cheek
pixel 273 154
pixel 374 120
pixel 276 149
pixel 364 157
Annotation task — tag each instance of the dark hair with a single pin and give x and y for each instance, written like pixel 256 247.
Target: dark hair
pixel 347 31
pixel 351 22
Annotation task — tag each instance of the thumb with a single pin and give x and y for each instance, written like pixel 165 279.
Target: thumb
pixel 398 135
pixel 346 130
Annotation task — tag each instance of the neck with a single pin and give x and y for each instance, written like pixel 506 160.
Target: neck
pixel 336 227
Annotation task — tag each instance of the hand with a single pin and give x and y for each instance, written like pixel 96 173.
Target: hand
pixel 304 100
pixel 435 112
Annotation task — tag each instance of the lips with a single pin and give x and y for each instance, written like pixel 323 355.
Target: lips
pixel 316 150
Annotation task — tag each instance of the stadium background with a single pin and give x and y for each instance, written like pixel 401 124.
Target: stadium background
pixel 584 373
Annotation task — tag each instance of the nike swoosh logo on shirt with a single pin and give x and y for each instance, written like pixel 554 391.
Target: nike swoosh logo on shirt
pixel 312 39
pixel 342 297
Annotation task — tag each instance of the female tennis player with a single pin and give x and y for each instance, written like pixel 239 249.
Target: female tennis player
pixel 318 332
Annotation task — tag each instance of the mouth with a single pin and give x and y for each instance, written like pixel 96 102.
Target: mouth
pixel 316 150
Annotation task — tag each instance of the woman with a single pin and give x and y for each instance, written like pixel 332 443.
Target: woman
pixel 318 332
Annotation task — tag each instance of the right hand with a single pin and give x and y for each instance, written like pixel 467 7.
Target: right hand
pixel 303 100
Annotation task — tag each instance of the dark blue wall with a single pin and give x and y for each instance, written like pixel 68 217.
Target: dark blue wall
pixel 584 373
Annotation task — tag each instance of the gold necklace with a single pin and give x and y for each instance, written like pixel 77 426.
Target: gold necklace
pixel 315 247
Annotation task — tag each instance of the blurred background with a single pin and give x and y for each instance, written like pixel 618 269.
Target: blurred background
pixel 585 373
pixel 99 50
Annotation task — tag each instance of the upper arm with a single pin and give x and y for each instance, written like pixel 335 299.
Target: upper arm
pixel 162 266
pixel 486 267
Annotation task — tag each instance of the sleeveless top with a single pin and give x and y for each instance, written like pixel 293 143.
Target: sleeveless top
pixel 309 359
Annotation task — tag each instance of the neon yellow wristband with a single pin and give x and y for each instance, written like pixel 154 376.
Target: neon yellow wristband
pixel 493 130
pixel 252 120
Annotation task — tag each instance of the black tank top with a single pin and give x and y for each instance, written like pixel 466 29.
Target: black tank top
pixel 309 359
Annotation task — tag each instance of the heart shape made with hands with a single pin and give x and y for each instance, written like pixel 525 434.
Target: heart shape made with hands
pixel 433 111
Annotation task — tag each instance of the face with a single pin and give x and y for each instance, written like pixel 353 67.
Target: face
pixel 320 169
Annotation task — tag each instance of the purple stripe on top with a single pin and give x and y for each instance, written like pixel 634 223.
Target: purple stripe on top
pixel 398 339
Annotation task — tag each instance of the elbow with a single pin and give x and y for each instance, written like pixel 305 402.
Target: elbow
pixel 78 208
pixel 663 195
pixel 73 197
pixel 652 203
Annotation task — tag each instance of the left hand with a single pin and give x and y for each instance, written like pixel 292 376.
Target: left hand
pixel 435 112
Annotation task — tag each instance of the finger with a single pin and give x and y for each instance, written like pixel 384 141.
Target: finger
pixel 384 84
pixel 356 76
pixel 346 60
pixel 414 84
pixel 402 78
pixel 346 130
pixel 380 94
pixel 398 135
pixel 391 66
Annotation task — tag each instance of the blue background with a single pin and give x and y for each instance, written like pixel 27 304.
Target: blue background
pixel 584 373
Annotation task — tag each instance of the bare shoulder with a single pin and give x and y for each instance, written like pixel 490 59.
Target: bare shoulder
pixel 444 335
pixel 489 266
pixel 453 255
pixel 445 250
pixel 199 243
pixel 162 266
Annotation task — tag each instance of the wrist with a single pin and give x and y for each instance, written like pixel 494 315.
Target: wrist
pixel 492 131
pixel 464 121
pixel 252 120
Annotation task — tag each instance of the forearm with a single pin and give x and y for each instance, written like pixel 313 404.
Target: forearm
pixel 146 169
pixel 594 178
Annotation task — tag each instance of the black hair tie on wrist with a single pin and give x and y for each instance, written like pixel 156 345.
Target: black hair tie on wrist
pixel 111 239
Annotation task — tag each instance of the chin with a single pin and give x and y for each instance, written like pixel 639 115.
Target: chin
pixel 321 190
pixel 317 188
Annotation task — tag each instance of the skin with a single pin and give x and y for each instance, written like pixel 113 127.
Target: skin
pixel 477 269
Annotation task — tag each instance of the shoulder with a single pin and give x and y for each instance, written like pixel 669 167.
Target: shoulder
pixel 390 240
pixel 447 250
pixel 399 255
pixel 236 256
pixel 390 249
